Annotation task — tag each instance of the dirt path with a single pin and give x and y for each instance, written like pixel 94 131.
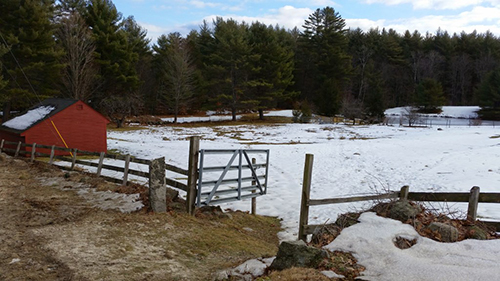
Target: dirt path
pixel 51 229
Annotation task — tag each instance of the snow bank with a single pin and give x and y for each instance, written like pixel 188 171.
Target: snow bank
pixel 371 242
pixel 29 118
pixel 448 112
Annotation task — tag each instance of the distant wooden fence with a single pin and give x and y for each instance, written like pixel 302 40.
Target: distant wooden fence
pixel 473 198
pixel 156 169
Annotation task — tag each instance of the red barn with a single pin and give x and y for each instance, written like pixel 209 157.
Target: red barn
pixel 59 122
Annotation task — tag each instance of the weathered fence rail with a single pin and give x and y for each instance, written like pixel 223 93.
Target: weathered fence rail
pixel 157 172
pixel 473 198
pixel 23 149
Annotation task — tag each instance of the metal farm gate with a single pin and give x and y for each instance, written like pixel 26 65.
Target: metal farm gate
pixel 227 175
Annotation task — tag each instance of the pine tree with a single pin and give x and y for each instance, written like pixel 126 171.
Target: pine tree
pixel 176 70
pixel 117 59
pixel 114 55
pixel 273 70
pixel 229 62
pixel 324 43
pixel 33 68
pixel 430 96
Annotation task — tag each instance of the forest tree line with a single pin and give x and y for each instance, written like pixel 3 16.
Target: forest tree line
pixel 86 49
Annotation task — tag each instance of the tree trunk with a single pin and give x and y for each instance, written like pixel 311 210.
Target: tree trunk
pixel 6 112
pixel 261 114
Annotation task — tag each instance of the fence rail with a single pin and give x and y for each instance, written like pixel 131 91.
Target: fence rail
pixel 473 198
pixel 156 173
pixel 31 150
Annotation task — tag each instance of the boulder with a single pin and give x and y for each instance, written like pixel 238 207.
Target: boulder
pixel 297 254
pixel 448 232
pixel 478 233
pixel 402 210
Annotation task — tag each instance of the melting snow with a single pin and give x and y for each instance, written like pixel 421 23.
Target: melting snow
pixel 29 118
pixel 371 242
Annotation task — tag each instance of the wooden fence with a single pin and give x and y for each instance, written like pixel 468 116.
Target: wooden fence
pixel 156 169
pixel 473 198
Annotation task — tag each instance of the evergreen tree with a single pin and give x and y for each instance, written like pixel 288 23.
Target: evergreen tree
pixel 488 92
pixel 230 64
pixel 430 96
pixel 374 103
pixel 117 60
pixel 33 68
pixel 114 53
pixel 177 71
pixel 323 44
pixel 273 71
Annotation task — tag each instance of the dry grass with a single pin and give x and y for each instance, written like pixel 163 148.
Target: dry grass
pixel 296 274
pixel 93 244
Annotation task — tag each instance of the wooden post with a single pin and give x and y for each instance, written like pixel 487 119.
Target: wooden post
pixel 1 145
pixel 125 172
pixel 99 166
pixel 306 190
pixel 73 159
pixel 194 147
pixel 473 202
pixel 157 185
pixel 403 194
pixel 18 149
pixel 33 149
pixel 52 155
pixel 254 199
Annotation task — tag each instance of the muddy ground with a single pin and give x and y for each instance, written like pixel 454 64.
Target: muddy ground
pixel 53 226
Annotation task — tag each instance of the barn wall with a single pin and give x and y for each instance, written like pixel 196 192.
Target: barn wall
pixel 80 126
pixel 8 136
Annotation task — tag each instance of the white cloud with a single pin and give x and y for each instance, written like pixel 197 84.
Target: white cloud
pixel 323 3
pixel 435 4
pixel 479 18
pixel 287 16
pixel 203 4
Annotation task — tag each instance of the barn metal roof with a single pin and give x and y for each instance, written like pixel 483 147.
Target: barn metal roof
pixel 57 104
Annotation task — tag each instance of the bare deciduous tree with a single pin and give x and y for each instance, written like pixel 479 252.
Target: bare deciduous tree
pixel 79 75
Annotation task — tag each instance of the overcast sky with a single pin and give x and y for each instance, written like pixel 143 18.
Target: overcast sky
pixel 165 16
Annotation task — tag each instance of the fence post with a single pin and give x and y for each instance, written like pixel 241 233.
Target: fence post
pixel 99 166
pixel 306 190
pixel 194 147
pixel 403 193
pixel 254 199
pixel 52 155
pixel 33 149
pixel 473 202
pixel 18 149
pixel 73 160
pixel 1 145
pixel 157 185
pixel 125 172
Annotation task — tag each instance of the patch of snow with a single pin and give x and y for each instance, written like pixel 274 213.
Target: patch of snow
pixel 209 118
pixel 29 118
pixel 247 270
pixel 14 261
pixel 371 242
pixel 283 113
pixel 107 200
pixel 448 111
pixel 331 274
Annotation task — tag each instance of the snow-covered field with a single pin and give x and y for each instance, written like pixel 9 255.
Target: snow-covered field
pixel 348 160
